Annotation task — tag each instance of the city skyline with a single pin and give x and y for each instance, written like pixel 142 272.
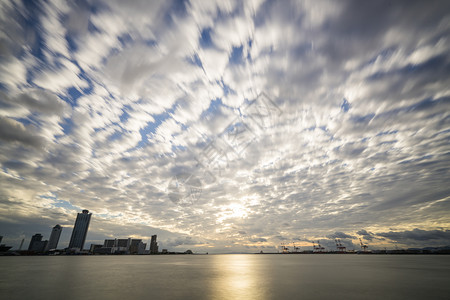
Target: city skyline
pixel 226 126
pixel 127 246
pixel 78 238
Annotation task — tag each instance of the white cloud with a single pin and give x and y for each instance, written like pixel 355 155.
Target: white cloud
pixel 13 73
pixel 214 62
pixel 58 80
pixel 148 93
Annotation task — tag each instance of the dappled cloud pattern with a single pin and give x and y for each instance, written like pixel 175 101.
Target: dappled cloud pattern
pixel 103 103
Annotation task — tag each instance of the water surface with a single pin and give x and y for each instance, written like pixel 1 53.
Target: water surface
pixel 226 277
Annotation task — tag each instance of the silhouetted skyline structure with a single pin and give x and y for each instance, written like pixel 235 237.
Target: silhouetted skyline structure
pixel 80 230
pixel 78 238
pixel 54 238
pixel 119 246
pixel 37 244
pixel 153 245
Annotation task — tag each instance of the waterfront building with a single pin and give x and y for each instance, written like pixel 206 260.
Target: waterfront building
pixel 123 243
pixel 141 248
pixel 137 246
pixel 54 238
pixel 80 229
pixel 94 247
pixel 116 246
pixel 37 244
pixel 3 247
pixel 153 245
pixel 103 250
pixel 122 246
pixel 134 246
pixel 35 238
pixel 109 243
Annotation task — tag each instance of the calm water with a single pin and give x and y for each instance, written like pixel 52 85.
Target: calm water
pixel 226 277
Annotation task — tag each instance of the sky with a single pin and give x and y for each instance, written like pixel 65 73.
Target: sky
pixel 227 126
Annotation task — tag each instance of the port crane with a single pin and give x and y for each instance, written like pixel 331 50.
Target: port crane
pixel 295 248
pixel 339 246
pixel 284 248
pixel 363 246
pixel 318 248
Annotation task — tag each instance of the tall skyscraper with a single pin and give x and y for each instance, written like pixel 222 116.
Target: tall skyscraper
pixel 153 245
pixel 80 229
pixel 35 238
pixel 37 244
pixel 54 238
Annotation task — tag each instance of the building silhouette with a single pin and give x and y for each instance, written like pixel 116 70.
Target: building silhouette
pixel 141 248
pixel 153 245
pixel 94 248
pixel 137 246
pixel 3 247
pixel 54 238
pixel 120 246
pixel 37 244
pixel 80 229
pixel 35 238
pixel 109 243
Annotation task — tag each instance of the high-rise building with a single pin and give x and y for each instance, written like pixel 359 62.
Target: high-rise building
pixel 80 229
pixel 37 244
pixel 134 246
pixel 54 238
pixel 35 238
pixel 153 245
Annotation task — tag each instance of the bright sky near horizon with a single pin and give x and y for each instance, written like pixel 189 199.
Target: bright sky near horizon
pixel 227 126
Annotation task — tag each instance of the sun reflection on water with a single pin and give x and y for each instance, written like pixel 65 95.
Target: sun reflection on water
pixel 238 277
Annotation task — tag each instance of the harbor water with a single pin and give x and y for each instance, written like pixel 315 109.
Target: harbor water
pixel 246 276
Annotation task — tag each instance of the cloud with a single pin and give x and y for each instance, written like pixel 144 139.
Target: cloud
pixel 58 79
pixel 33 101
pixel 186 241
pixel 366 235
pixel 417 235
pixel 258 240
pixel 13 131
pixel 102 104
pixel 340 235
pixel 13 72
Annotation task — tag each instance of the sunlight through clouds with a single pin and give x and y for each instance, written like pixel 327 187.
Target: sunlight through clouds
pixel 229 125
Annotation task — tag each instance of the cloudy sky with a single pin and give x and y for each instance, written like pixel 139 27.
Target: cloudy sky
pixel 227 126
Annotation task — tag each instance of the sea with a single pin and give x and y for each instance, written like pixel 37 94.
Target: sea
pixel 232 276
